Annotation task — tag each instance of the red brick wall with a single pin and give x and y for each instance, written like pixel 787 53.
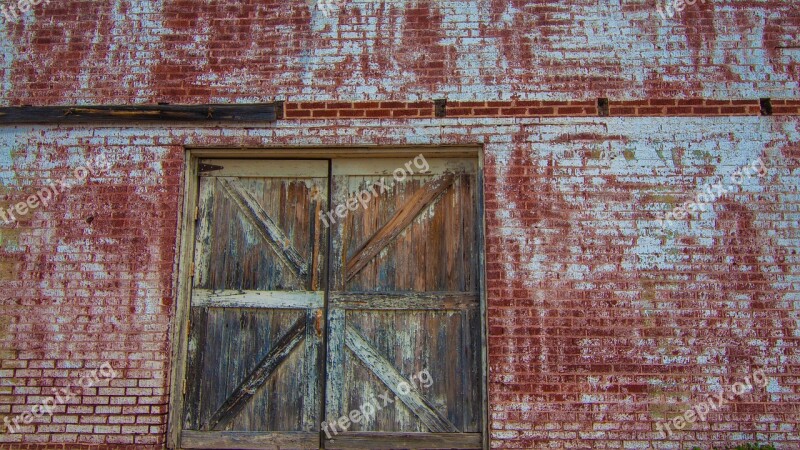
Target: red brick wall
pixel 87 280
pixel 186 51
pixel 600 322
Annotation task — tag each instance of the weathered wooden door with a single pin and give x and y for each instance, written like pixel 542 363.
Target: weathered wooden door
pixel 400 311
pixel 403 310
pixel 256 326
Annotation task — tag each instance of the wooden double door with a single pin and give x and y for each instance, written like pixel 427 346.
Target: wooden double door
pixel 335 304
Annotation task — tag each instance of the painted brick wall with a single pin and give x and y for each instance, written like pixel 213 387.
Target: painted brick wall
pixel 87 280
pixel 188 51
pixel 601 322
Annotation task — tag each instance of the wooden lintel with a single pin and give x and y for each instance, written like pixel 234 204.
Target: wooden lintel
pixel 260 112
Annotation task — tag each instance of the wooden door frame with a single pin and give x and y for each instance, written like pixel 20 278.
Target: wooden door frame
pixel 185 255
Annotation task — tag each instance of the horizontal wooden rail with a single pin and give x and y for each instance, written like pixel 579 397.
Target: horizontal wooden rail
pixel 248 440
pixel 260 112
pixel 437 301
pixel 258 299
pixel 376 440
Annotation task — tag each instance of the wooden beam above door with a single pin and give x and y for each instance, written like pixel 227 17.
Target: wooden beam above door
pixel 122 114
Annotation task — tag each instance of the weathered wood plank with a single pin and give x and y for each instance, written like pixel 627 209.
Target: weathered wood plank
pixel 405 301
pixel 312 382
pixel 340 153
pixel 205 214
pixel 249 440
pixel 282 348
pixel 376 440
pixel 337 236
pixel 436 241
pixel 267 168
pixel 232 337
pixel 180 329
pixel 334 394
pixel 198 325
pixel 469 385
pixel 318 243
pixel 386 166
pixel 266 226
pixel 399 221
pixel 383 369
pixel 260 112
pixel 258 299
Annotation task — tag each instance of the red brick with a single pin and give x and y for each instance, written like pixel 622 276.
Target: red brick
pixel 405 112
pixel 339 105
pixel 366 105
pixel 583 102
pixel 541 111
pixel 691 102
pixel 650 110
pixel 486 111
pixel 613 103
pixel 393 105
pixel 663 101
pixel 469 104
pixel 528 103
pixel 737 110
pixel 789 110
pixel 571 110
pixel 705 110
pixel 459 111
pixel 301 113
pixel 325 113
pixel 555 103
pixel 679 110
pixel 514 111
pixel 379 113
pixel 352 113
pixel 313 105
pixel 621 111
pixel 499 104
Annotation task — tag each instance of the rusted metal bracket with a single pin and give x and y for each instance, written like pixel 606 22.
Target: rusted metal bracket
pixel 766 106
pixel 203 168
pixel 602 107
pixel 440 107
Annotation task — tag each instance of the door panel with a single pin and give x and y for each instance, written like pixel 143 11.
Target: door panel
pixel 419 235
pixel 254 359
pixel 405 299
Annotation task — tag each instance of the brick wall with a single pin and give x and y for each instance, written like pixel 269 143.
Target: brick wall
pixel 186 51
pixel 87 280
pixel 601 322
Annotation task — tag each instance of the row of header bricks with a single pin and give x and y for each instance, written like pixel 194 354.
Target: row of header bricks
pixel 536 108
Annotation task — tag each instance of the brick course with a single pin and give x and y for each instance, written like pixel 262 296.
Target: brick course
pixel 537 108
